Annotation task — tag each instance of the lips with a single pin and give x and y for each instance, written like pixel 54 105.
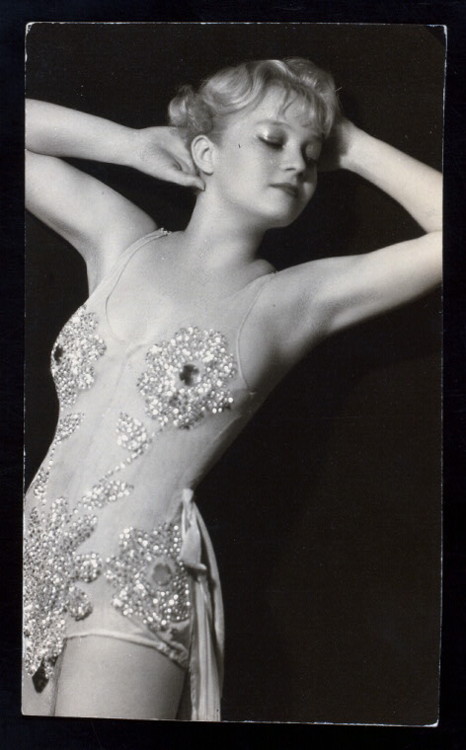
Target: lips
pixel 287 187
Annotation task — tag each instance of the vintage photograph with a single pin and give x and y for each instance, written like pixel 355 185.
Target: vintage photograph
pixel 233 366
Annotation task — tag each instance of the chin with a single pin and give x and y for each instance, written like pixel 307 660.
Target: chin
pixel 273 218
pixel 285 220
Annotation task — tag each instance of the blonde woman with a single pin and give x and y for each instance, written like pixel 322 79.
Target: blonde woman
pixel 183 336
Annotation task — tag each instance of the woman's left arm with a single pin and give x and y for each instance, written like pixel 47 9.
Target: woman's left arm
pixel 324 296
pixel 357 287
pixel 416 187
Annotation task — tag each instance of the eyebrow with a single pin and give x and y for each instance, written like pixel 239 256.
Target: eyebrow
pixel 271 121
pixel 315 135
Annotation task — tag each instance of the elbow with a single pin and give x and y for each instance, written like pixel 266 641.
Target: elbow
pixel 435 248
pixel 434 218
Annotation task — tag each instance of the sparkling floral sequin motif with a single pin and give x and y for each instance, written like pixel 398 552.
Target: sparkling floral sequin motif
pixel 152 584
pixel 75 349
pixel 132 435
pixel 52 564
pixel 106 491
pixel 52 568
pixel 186 377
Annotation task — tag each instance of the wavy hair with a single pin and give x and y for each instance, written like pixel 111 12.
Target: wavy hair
pixel 232 89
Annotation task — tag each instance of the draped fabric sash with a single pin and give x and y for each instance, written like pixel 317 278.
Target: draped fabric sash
pixel 206 657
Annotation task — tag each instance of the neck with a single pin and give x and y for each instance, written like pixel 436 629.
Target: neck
pixel 219 237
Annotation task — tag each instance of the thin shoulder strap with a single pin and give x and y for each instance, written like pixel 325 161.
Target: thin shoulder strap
pixel 113 276
pixel 261 282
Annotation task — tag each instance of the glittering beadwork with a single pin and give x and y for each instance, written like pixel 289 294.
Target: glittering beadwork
pixel 186 376
pixel 75 348
pixel 132 435
pixel 51 569
pixel 52 564
pixel 152 584
pixel 65 428
pixel 105 491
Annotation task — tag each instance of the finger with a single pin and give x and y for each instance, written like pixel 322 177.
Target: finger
pixel 186 165
pixel 187 180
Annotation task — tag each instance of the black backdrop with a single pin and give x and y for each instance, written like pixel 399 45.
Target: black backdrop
pixel 325 515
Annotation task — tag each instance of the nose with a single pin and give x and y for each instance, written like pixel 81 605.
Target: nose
pixel 294 161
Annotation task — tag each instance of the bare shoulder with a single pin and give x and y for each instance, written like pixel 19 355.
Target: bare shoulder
pixel 92 217
pixel 306 303
pixel 293 307
pixel 284 323
pixel 99 264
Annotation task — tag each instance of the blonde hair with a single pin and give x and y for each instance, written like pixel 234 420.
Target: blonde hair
pixel 234 88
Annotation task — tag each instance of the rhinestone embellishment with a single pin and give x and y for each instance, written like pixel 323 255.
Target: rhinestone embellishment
pixel 152 584
pixel 52 564
pixel 52 568
pixel 186 377
pixel 132 435
pixel 75 348
pixel 105 491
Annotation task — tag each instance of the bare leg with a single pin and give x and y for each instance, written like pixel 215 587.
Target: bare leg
pixel 35 702
pixel 110 678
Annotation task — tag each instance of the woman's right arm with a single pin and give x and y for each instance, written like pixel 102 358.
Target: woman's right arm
pixel 96 220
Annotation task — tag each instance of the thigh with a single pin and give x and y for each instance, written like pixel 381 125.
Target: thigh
pixel 110 678
pixel 37 702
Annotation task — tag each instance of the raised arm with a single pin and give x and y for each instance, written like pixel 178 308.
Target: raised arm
pixel 324 296
pixel 95 219
pixel 417 187
pixel 365 285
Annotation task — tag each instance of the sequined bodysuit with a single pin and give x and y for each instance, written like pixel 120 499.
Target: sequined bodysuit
pixel 114 543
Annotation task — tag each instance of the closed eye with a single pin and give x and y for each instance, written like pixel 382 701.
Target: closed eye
pixel 310 159
pixel 277 145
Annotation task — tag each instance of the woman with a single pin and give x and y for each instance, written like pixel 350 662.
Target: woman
pixel 182 338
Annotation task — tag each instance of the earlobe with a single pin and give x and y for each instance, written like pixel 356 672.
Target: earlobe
pixel 202 153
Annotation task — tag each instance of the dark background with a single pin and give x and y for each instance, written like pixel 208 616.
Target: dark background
pixel 325 515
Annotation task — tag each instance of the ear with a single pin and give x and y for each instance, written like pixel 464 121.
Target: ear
pixel 202 149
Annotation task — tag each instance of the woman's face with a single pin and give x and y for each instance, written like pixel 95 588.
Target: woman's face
pixel 266 162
